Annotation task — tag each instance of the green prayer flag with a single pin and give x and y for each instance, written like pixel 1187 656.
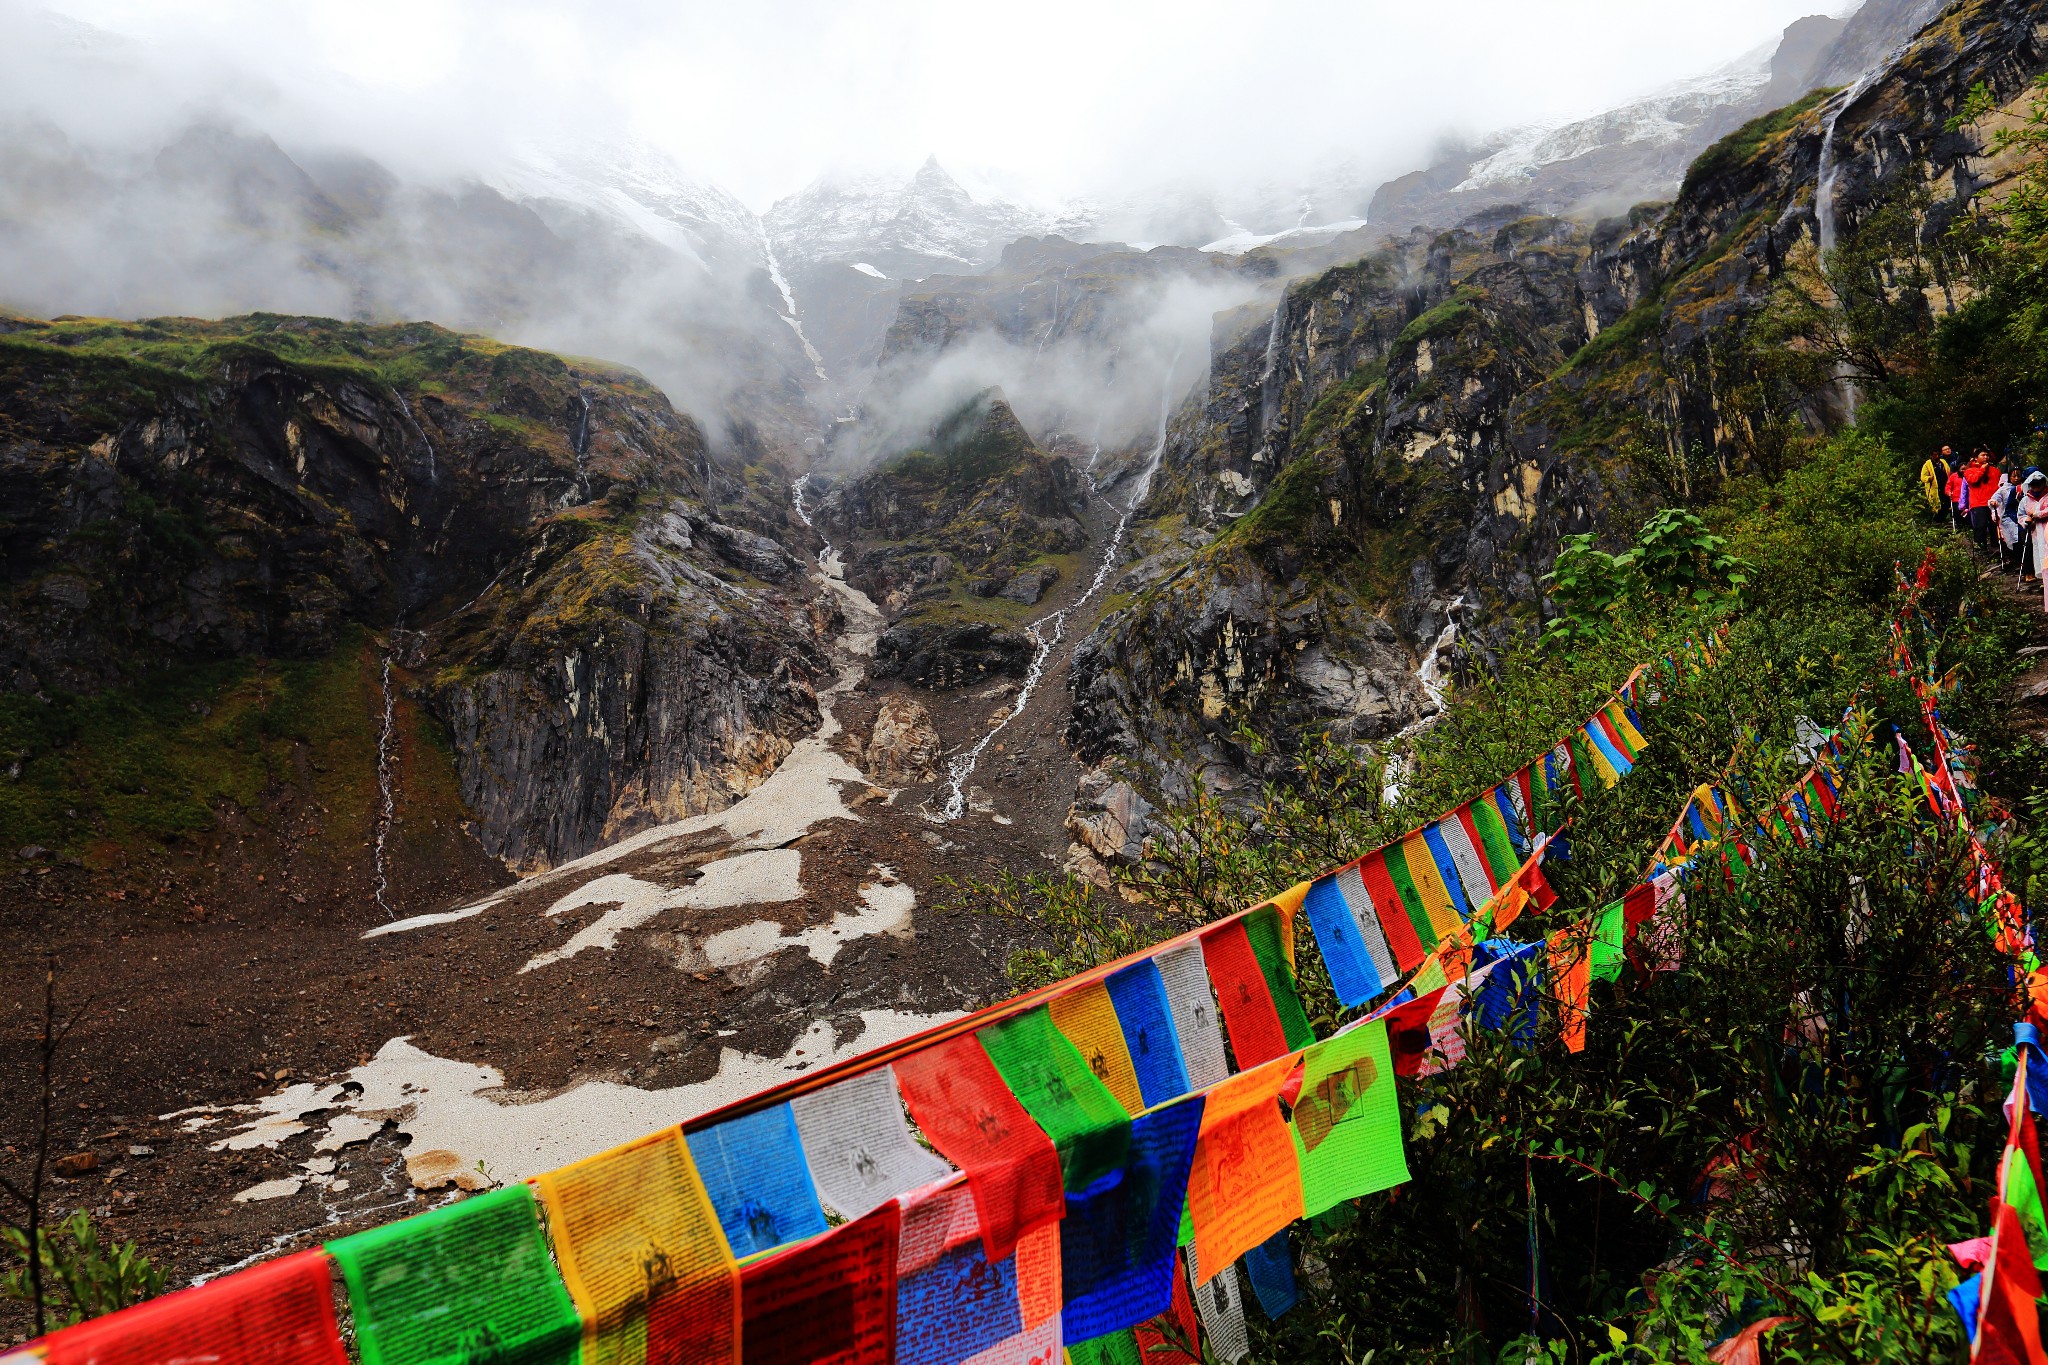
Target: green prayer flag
pixel 1117 1348
pixel 2025 1201
pixel 467 1282
pixel 1262 930
pixel 1411 899
pixel 1609 947
pixel 1347 1120
pixel 1493 832
pixel 1052 1081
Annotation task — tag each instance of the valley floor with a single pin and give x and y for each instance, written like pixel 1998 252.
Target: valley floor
pixel 256 1068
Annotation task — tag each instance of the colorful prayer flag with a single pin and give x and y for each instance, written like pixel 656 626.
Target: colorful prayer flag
pixel 1185 974
pixel 754 1170
pixel 1144 1012
pixel 460 1282
pixel 857 1145
pixel 276 1313
pixel 1270 1266
pixel 1246 1182
pixel 1346 1129
pixel 960 1102
pixel 1118 1239
pixel 1172 1338
pixel 831 1301
pixel 1219 1302
pixel 643 1255
pixel 1355 971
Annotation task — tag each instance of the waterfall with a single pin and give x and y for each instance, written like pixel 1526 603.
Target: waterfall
pixel 789 305
pixel 1825 221
pixel 388 811
pixel 433 467
pixel 1269 401
pixel 1048 632
pixel 1430 675
pixel 829 562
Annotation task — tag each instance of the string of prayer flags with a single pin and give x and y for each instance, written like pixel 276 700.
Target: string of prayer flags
pixel 831 1301
pixel 1219 1304
pixel 1346 1129
pixel 1088 1018
pixel 1270 1267
pixel 754 1170
pixel 962 1106
pixel 1172 1338
pixel 1255 984
pixel 1118 1240
pixel 1144 1012
pixel 643 1255
pixel 1051 1079
pixel 461 1282
pixel 1511 802
pixel 1193 1003
pixel 857 1146
pixel 278 1313
pixel 1246 1184
pixel 2019 1178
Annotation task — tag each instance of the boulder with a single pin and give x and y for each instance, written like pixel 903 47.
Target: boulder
pixel 903 749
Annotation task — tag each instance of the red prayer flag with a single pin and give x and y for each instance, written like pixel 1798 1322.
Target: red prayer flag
pixel 1256 1034
pixel 1408 1035
pixel 1391 911
pixel 953 1091
pixel 832 1299
pixel 2008 1328
pixel 278 1313
pixel 1540 894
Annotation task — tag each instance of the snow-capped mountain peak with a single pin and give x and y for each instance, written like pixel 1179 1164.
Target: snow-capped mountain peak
pixel 906 227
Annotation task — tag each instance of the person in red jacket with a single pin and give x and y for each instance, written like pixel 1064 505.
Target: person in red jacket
pixel 1980 479
pixel 1954 490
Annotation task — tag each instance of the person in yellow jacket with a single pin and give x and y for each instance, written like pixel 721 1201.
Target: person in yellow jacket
pixel 1933 481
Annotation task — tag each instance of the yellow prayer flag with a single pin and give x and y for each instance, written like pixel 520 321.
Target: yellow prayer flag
pixel 643 1255
pixel 1429 884
pixel 1088 1017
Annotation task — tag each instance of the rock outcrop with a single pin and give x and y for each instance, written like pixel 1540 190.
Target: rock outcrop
pixel 553 546
pixel 1405 439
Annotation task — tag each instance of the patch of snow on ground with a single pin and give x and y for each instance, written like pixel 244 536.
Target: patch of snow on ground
pixel 759 878
pixel 457 1115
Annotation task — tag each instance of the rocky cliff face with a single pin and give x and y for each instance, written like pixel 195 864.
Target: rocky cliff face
pixel 1406 439
pixel 606 641
pixel 958 540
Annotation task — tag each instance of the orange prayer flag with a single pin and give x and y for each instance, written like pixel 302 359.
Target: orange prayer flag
pixel 1246 1181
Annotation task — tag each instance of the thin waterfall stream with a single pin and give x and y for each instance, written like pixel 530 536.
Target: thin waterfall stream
pixel 387 811
pixel 1048 632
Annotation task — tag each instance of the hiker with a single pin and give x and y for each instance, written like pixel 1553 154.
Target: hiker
pixel 1955 491
pixel 2034 513
pixel 2031 476
pixel 2005 507
pixel 1934 483
pixel 1980 478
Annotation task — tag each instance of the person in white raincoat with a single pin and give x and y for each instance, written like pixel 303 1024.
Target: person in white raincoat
pixel 2034 516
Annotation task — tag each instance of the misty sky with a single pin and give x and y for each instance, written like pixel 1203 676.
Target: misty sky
pixel 761 96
